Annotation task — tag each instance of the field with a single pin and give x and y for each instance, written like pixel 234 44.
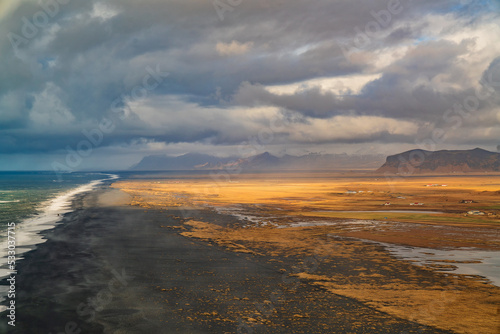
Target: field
pixel 281 199
pixel 336 218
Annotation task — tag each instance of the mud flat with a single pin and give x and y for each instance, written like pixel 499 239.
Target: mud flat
pixel 112 267
pixel 347 254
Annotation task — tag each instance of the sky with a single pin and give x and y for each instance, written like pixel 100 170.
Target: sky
pixel 100 84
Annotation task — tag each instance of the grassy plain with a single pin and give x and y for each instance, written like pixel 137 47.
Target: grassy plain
pixel 329 192
pixel 325 217
pixel 282 199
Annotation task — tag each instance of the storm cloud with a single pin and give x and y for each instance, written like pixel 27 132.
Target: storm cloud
pixel 136 78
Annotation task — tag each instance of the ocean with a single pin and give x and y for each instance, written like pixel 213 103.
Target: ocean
pixel 36 201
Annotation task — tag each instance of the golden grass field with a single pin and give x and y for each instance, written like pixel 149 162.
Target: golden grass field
pixel 459 303
pixel 326 197
pixel 329 193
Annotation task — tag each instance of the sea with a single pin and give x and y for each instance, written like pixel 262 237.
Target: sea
pixel 33 202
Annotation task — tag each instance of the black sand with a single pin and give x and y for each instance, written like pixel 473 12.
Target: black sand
pixel 120 269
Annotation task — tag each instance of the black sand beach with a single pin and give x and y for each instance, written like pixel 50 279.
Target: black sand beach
pixel 113 268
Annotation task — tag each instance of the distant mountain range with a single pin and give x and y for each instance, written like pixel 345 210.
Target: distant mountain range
pixel 260 162
pixel 442 162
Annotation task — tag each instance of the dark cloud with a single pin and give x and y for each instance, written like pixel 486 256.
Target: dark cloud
pixel 401 34
pixel 92 58
pixel 406 90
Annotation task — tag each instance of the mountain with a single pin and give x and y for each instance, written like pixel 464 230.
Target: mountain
pixel 187 161
pixel 260 162
pixel 458 161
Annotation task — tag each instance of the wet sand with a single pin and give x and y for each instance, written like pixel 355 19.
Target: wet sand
pixel 114 268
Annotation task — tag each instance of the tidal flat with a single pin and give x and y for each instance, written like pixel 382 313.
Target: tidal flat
pixel 344 233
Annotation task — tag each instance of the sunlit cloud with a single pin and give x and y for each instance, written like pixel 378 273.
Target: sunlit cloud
pixel 171 76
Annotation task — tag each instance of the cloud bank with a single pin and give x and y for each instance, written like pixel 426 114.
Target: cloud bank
pixel 284 76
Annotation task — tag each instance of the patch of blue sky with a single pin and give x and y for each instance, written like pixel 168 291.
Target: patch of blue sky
pixel 424 39
pixel 474 7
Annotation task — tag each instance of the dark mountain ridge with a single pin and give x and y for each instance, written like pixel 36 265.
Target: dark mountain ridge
pixel 259 162
pixel 444 161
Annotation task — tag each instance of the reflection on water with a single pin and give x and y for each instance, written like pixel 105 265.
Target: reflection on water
pixel 466 261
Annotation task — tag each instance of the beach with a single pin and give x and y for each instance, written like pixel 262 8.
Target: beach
pixel 114 265
pixel 110 268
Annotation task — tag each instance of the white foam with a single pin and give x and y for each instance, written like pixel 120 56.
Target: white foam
pixel 27 233
pixel 14 201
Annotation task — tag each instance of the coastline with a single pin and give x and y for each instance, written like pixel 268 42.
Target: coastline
pixel 111 267
pixel 27 234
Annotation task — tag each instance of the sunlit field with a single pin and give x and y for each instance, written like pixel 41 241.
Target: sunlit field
pixel 340 197
pixel 332 217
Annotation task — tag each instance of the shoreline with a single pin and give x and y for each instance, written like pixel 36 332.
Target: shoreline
pixel 153 279
pixel 28 233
